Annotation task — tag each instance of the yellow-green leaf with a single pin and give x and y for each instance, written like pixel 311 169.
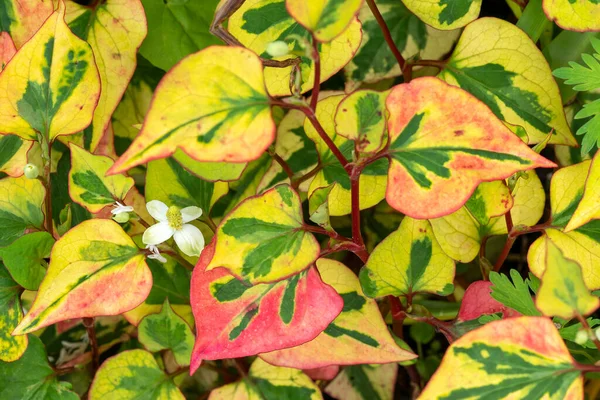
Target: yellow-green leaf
pixel 318 207
pixel 95 269
pixel 114 30
pixel 563 292
pixel 326 19
pixel 210 171
pixel 222 115
pixel 588 207
pixel 445 14
pixel 13 154
pixel 516 358
pixel 357 336
pixel 167 331
pixel 266 381
pixel 566 191
pixel 11 312
pixel 51 86
pixel 499 64
pixel 88 184
pixel 579 15
pixel 372 181
pixel 257 23
pixel 133 374
pixel 364 382
pixel 443 143
pixel 408 261
pixel 263 240
pixel 20 207
pixel 24 258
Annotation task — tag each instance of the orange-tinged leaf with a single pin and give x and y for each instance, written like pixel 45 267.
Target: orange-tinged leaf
pixel 358 335
pixel 234 320
pixel 7 49
pixel 25 17
pixel 213 105
pixel 478 301
pixel 326 19
pixel 443 143
pixel 515 358
pixel 95 269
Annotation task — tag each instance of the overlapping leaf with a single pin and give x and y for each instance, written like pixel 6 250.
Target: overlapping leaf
pixel 581 15
pixel 58 92
pixel 563 292
pixel 11 312
pixel 445 14
pixel 477 301
pixel 499 64
pixel 22 18
pixel 566 191
pixel 371 181
pixel 257 23
pixel 263 239
pixel 20 207
pixel 408 261
pixel 24 258
pixel 88 185
pixel 95 269
pixel 443 143
pixel 13 154
pixel 326 19
pixel 507 359
pixel 133 374
pixel 115 30
pixel 364 382
pixel 357 336
pixel 210 171
pixel 234 320
pixel 265 381
pixel 222 115
pixel 587 202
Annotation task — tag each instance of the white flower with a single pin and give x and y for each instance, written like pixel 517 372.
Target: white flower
pixel 120 208
pixel 155 254
pixel 173 222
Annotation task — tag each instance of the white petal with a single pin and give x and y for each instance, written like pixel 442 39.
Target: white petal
pixel 190 213
pixel 158 210
pixel 190 240
pixel 158 233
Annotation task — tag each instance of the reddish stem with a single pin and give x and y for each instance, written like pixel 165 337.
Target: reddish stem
pixel 513 233
pixel 296 183
pixel 386 34
pixel 284 165
pixel 355 200
pixel 396 308
pixel 331 234
pixel 509 221
pixel 314 96
pixel 88 323
pixel 310 114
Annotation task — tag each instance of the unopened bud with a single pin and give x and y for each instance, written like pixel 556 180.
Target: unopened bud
pixel 121 217
pixel 278 48
pixel 31 171
pixel 581 337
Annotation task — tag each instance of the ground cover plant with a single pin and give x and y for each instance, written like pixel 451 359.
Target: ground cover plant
pixel 291 199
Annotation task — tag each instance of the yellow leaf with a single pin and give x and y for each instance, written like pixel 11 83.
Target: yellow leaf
pixel 589 207
pixel 326 19
pixel 579 15
pixel 445 14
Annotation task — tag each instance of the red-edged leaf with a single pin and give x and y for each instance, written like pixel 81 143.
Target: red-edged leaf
pixel 478 301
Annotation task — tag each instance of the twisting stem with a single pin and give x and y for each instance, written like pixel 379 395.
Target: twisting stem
pixel 386 34
pixel 314 96
pixel 88 323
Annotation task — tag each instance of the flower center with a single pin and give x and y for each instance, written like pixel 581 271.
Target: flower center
pixel 174 217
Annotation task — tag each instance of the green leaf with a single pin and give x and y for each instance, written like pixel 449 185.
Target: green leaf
pixel 515 294
pixel 367 382
pixel 31 377
pixel 24 258
pixel 11 347
pixel 20 207
pixel 167 330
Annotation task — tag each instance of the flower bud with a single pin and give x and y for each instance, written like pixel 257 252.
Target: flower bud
pixel 31 171
pixel 277 48
pixel 121 217
pixel 581 337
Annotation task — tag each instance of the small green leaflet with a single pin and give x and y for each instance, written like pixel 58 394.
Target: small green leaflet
pixel 515 294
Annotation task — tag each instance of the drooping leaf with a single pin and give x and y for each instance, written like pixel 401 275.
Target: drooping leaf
pixel 224 116
pixel 58 92
pixel 266 382
pixel 234 320
pixel 364 382
pixel 20 207
pixel 115 30
pixel 374 61
pixel 13 154
pixel 357 336
pixel 563 292
pixel 408 261
pixel 258 23
pixel 133 374
pixel 263 239
pixel 24 258
pixel 477 301
pixel 95 269
pixel 515 294
pixel 572 15
pixel 443 143
pixel 506 358
pixel 586 203
pixel 88 184
pixel 318 207
pixel 22 18
pixel 31 377
pixel 445 14
pixel 167 330
pixel 11 312
pixel 499 64
pixel 176 29
pixel 371 181
pixel 326 19
pixel 361 117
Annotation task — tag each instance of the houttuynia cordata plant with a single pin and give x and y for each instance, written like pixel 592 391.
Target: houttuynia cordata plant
pixel 299 199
